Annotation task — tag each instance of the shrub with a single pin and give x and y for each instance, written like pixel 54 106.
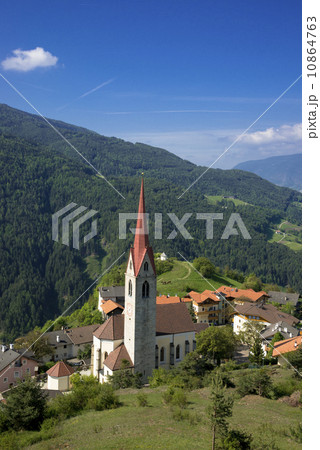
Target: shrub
pixel 176 397
pixel 286 387
pixel 179 414
pixel 142 400
pixel 256 382
pixel 237 440
pixel 159 377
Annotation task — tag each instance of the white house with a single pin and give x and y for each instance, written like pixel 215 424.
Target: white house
pixel 59 376
pixel 163 257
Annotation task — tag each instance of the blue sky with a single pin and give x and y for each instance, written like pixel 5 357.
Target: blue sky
pixel 187 75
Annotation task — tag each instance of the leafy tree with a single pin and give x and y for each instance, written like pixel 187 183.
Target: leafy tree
pixel 276 338
pixel 219 409
pixel 36 342
pixel 26 406
pixel 124 377
pixel 216 343
pixel 295 358
pixel 252 282
pixel 250 332
pixel 204 266
pixel 256 352
pixel 85 353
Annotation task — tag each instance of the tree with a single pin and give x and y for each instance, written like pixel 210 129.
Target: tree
pixel 295 358
pixel 276 338
pixel 36 343
pixel 252 282
pixel 256 352
pixel 204 266
pixel 216 343
pixel 249 332
pixel 124 377
pixel 219 409
pixel 26 406
pixel 85 353
pixel 237 440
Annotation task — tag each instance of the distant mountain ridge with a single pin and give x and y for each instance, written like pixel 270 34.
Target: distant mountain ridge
pixel 284 170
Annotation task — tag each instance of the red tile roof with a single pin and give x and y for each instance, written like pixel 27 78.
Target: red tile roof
pixel 108 306
pixel 164 300
pixel 286 346
pixel 115 358
pixel 112 329
pixel 236 293
pixel 204 296
pixel 141 245
pixel 61 369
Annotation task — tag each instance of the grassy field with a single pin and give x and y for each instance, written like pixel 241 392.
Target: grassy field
pixel 214 199
pixel 287 237
pixel 155 426
pixel 183 278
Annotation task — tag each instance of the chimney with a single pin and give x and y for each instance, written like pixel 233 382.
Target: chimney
pixel 58 338
pixel 3 348
pixel 295 344
pixel 11 346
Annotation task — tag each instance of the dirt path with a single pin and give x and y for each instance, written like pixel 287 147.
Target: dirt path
pixel 186 276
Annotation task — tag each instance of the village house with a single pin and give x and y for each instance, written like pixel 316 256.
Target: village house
pixel 208 306
pixel 283 298
pixel 109 308
pixel 67 342
pixel 281 348
pixel 163 257
pixel 263 313
pixel 114 293
pixel 59 377
pixel 241 296
pixel 287 331
pixel 146 334
pixel 15 366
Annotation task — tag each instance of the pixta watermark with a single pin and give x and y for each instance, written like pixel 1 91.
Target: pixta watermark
pixel 75 225
pixel 235 225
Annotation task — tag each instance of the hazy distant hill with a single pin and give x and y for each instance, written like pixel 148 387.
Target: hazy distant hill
pixel 283 170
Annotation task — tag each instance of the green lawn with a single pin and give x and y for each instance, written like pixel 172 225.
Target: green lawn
pixel 154 426
pixel 290 240
pixel 183 278
pixel 214 199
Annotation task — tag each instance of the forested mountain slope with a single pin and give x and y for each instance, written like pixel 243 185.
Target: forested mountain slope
pixel 39 175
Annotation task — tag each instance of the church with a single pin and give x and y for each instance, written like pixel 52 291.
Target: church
pixel 145 334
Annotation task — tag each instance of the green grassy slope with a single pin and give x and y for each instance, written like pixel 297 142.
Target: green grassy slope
pixel 132 427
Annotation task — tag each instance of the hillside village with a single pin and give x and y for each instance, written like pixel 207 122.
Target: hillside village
pixel 149 331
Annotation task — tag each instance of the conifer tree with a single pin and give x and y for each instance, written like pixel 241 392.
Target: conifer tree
pixel 219 409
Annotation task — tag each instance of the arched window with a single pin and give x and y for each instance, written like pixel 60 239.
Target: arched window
pixel 162 354
pixel 130 265
pixel 145 289
pixel 130 288
pixel 145 267
pixel 178 353
pixel 105 355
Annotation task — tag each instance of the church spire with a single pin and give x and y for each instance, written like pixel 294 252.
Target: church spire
pixel 141 244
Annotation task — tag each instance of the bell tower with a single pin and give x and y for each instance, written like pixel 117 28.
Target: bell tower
pixel 140 298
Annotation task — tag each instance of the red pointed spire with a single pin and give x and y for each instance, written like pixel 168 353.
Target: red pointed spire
pixel 141 240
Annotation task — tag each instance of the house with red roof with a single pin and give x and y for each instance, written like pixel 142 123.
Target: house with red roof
pixel 59 376
pixel 281 348
pixel 209 306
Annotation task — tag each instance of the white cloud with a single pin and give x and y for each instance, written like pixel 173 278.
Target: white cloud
pixel 285 133
pixel 26 60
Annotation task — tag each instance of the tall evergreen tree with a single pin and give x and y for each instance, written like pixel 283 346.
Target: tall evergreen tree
pixel 219 409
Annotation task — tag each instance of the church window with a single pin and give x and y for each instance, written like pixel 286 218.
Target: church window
pixel 145 289
pixel 178 352
pixel 187 349
pixel 162 354
pixel 105 355
pixel 130 288
pixel 130 265
pixel 145 267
